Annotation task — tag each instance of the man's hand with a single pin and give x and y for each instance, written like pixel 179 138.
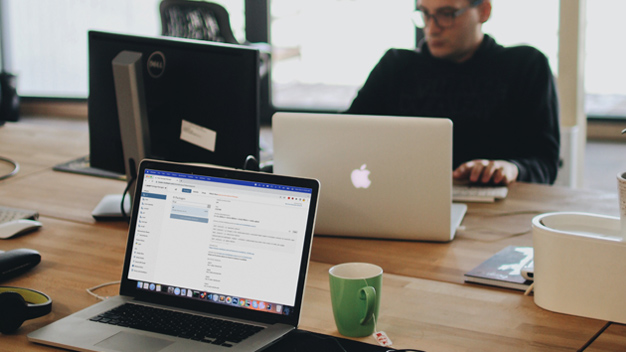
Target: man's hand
pixel 487 171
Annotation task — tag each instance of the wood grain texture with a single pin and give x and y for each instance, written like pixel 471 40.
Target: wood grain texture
pixel 416 313
pixel 613 339
pixel 425 305
pixel 487 228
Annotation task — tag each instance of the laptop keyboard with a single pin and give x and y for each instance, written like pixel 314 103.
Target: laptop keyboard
pixel 190 326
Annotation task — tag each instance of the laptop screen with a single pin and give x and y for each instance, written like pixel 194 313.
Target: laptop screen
pixel 224 241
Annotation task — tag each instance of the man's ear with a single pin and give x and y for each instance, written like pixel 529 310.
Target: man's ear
pixel 484 11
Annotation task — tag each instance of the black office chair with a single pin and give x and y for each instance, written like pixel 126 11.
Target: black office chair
pixel 196 20
pixel 205 21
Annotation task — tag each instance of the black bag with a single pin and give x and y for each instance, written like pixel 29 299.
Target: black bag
pixel 9 100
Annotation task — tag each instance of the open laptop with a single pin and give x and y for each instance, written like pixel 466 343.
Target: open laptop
pixel 208 243
pixel 383 176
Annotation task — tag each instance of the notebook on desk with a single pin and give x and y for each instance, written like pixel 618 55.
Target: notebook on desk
pixel 383 176
pixel 206 246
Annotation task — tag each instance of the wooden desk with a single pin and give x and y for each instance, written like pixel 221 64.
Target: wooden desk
pixel 488 228
pixel 38 147
pixel 418 313
pixel 425 305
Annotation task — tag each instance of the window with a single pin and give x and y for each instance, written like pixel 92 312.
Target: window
pixel 513 24
pixel 45 42
pixel 604 59
pixel 323 50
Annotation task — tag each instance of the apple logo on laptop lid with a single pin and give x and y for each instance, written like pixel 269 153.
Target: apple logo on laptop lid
pixel 360 177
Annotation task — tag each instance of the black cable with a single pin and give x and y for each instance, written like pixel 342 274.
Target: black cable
pixel 132 167
pixel 128 185
pixel 328 338
pixel 594 337
pixel 16 168
pixel 251 163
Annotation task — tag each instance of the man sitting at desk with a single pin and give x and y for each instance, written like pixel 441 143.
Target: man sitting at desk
pixel 502 101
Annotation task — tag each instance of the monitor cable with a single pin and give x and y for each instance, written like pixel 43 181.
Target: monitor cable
pixel 126 190
pixel 16 167
pixel 129 184
pixel 251 163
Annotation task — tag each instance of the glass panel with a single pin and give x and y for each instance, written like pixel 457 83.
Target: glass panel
pixel 604 60
pixel 323 50
pixel 531 22
pixel 46 41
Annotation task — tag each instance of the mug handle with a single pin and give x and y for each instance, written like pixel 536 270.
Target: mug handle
pixel 368 294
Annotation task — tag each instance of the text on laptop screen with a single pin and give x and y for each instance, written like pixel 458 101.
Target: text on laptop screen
pixel 227 241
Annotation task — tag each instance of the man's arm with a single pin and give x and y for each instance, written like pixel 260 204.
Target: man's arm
pixel 532 136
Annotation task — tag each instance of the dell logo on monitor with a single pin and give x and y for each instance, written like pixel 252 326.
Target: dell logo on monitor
pixel 156 64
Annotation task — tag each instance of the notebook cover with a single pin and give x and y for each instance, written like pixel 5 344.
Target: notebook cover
pixel 503 269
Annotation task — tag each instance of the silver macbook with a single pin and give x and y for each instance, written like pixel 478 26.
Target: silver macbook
pixel 216 260
pixel 383 176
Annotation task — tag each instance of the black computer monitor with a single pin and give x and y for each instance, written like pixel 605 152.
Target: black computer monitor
pixel 210 86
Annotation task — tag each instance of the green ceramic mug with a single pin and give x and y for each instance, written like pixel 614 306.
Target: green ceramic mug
pixel 355 295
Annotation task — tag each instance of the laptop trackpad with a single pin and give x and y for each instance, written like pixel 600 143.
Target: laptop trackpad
pixel 125 341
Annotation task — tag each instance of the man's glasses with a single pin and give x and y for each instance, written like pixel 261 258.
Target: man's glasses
pixel 442 18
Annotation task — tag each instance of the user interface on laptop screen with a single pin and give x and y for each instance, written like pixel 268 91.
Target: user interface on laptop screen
pixel 224 241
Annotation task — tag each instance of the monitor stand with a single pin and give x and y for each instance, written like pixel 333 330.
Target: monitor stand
pixel 83 166
pixel 110 208
pixel 133 120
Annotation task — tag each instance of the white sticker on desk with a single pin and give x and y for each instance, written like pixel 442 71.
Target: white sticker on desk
pixel 382 338
pixel 198 135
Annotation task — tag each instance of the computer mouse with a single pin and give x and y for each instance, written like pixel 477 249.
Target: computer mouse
pixel 17 261
pixel 18 227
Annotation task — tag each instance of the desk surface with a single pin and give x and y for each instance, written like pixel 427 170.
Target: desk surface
pixel 425 303
pixel 487 228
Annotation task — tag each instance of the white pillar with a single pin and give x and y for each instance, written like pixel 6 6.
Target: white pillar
pixel 571 87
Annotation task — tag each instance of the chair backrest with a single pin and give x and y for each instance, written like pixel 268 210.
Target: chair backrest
pixel 196 20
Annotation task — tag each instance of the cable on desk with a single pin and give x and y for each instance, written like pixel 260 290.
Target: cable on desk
pixel 16 167
pixel 327 338
pixel 529 289
pixel 92 289
pixel 594 337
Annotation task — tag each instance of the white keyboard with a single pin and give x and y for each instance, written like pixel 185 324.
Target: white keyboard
pixel 484 194
pixel 9 214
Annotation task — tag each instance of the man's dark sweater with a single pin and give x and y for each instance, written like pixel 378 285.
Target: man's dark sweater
pixel 502 102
